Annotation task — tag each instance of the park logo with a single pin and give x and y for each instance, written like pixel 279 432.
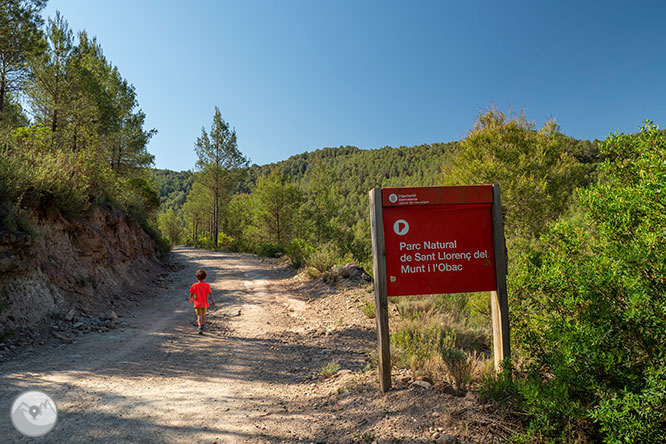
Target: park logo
pixel 393 198
pixel 401 227
pixel 34 413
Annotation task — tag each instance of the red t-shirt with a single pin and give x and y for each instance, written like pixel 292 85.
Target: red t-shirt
pixel 201 290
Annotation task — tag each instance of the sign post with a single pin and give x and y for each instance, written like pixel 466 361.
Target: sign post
pixel 381 300
pixel 434 240
pixel 499 299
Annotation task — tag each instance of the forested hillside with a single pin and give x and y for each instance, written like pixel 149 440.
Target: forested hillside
pixel 331 191
pixel 173 188
pixel 83 214
pixel 343 174
pixel 357 171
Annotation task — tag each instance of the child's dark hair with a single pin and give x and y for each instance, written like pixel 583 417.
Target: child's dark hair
pixel 201 274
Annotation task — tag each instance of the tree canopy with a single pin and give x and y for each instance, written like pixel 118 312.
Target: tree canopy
pixel 535 168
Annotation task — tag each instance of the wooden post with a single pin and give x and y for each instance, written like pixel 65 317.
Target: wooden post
pixel 499 301
pixel 381 299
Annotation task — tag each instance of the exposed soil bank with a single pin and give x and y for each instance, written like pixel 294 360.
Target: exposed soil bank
pixel 90 266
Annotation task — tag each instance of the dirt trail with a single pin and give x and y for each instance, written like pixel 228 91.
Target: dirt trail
pixel 155 380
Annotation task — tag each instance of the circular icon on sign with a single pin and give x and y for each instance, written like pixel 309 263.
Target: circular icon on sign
pixel 34 413
pixel 401 227
pixel 393 198
pixel 392 279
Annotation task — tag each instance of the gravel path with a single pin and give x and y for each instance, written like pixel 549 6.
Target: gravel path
pixel 154 380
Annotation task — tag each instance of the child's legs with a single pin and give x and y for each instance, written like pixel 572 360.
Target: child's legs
pixel 200 314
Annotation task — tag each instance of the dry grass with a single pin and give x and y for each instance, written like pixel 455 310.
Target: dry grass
pixel 435 337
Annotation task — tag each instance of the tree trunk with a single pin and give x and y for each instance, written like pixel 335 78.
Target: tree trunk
pixel 217 198
pixel 116 158
pixel 277 226
pixel 54 125
pixel 3 88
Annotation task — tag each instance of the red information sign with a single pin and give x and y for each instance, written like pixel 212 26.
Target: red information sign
pixel 438 240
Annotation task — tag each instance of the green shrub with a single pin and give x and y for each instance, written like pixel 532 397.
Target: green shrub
pixel 205 241
pixel 549 414
pixel 470 335
pixel 240 245
pixel 299 250
pixel 368 436
pixel 323 258
pixel 501 388
pixel 470 309
pixel 139 200
pixel 413 309
pixel 458 365
pixel 162 244
pixel 13 220
pixel 312 273
pixel 149 196
pixel 329 369
pixel 224 241
pixel 269 249
pixel 51 181
pixel 590 313
pixel 630 416
pixel 368 309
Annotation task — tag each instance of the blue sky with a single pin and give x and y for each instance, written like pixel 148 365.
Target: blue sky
pixel 294 76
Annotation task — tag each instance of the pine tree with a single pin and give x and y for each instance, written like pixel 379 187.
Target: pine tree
pixel 48 91
pixel 20 40
pixel 220 163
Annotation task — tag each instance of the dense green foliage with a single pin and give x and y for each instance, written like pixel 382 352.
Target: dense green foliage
pixel 358 171
pixel 171 226
pixel 277 204
pixel 537 170
pixel 85 144
pixel 590 312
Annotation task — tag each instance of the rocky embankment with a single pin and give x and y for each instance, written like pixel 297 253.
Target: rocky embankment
pixel 73 270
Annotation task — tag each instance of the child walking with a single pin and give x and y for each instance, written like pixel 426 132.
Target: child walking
pixel 199 292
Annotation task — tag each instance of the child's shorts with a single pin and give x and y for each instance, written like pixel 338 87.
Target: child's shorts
pixel 200 310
